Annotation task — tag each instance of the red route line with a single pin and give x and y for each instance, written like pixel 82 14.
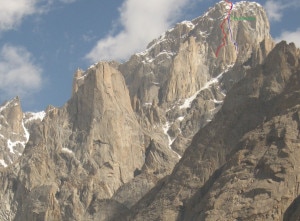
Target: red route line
pixel 223 32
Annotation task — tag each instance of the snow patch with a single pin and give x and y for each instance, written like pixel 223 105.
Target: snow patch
pixel 242 4
pixel 147 104
pixel 166 127
pixel 180 118
pixel 203 33
pixel 168 54
pixel 26 134
pixel 4 107
pixel 36 116
pixel 67 150
pixel 11 145
pixel 187 102
pixel 164 52
pixel 82 77
pixel 92 66
pixel 9 103
pixel 155 83
pixel 161 39
pixel 2 162
pixel 217 102
pixel 188 24
pixel 148 60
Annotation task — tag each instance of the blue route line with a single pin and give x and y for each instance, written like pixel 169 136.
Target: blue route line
pixel 229 27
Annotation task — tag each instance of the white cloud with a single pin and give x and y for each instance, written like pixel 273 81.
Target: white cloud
pixel 275 8
pixel 12 12
pixel 141 22
pixel 67 1
pixel 50 2
pixel 290 36
pixel 18 74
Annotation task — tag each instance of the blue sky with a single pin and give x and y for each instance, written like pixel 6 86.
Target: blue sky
pixel 43 42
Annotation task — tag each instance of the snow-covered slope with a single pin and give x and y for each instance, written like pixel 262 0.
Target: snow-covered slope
pixel 14 130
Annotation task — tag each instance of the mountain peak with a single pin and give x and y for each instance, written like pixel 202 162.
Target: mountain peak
pixel 196 43
pixel 7 104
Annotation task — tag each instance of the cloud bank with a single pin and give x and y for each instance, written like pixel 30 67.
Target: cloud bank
pixel 141 21
pixel 18 73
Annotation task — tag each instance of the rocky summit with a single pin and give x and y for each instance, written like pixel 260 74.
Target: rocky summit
pixel 174 133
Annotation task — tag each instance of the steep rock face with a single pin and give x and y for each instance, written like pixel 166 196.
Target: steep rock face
pixel 101 108
pixel 183 59
pixel 246 154
pixel 180 72
pixel 80 153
